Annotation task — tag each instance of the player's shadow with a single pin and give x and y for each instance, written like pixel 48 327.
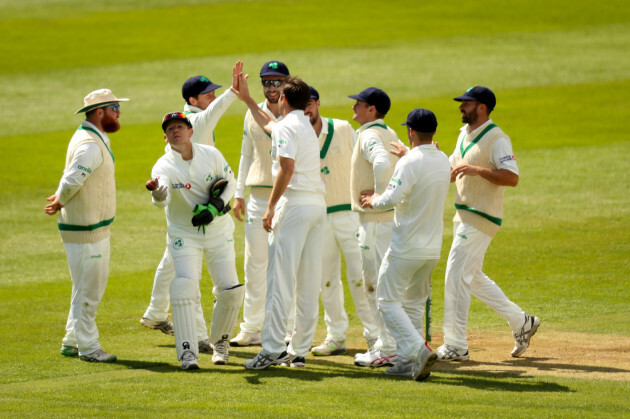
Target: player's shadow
pixel 516 366
pixel 496 381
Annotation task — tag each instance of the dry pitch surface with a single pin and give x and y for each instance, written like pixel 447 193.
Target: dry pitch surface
pixel 556 354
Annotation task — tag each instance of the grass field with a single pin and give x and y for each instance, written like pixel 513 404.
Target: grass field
pixel 561 72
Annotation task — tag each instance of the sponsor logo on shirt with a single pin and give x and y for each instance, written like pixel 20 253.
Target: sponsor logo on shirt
pixel 85 169
pixel 506 158
pixel 180 186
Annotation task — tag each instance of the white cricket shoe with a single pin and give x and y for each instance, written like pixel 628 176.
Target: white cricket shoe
pixel 375 358
pixel 424 361
pixel 449 353
pixel 401 368
pixel 330 347
pixel 221 352
pixel 98 355
pixel 205 346
pixel 264 359
pixel 189 361
pixel 524 334
pixel 165 326
pixel 246 339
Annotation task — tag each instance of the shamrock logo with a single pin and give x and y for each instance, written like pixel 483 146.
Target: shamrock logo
pixel 273 65
pixel 204 78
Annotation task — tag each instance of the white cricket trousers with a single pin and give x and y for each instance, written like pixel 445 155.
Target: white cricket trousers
pixel 255 269
pixel 340 236
pixel 160 295
pixel 217 244
pixel 294 272
pixel 89 270
pixel 463 278
pixel 404 285
pixel 374 239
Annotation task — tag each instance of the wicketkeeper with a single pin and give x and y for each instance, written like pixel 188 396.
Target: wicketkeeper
pixel 195 185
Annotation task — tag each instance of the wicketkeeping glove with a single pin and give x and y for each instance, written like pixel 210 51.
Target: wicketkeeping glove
pixel 160 193
pixel 205 214
pixel 216 189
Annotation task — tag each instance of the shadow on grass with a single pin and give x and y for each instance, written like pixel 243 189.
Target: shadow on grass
pixel 497 381
pixel 321 369
pixel 518 366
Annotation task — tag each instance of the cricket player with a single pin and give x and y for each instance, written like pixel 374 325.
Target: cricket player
pixel 483 164
pixel 186 175
pixel 295 217
pixel 254 171
pixel 336 141
pixel 86 202
pixel 417 190
pixel 203 109
pixel 372 168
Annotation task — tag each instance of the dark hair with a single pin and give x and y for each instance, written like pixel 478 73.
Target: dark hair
pixel 297 92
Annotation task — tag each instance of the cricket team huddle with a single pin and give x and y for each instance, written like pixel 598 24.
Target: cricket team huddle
pixel 309 188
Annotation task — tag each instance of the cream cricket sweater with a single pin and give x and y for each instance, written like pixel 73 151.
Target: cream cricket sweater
pixel 336 142
pixel 259 176
pixel 87 216
pixel 478 201
pixel 362 174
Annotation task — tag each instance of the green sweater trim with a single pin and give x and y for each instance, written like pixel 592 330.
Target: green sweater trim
pixel 73 227
pixel 494 220
pixel 338 208
pixel 101 138
pixel 376 125
pixel 331 131
pixel 475 141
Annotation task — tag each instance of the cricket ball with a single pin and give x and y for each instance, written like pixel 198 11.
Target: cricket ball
pixel 151 185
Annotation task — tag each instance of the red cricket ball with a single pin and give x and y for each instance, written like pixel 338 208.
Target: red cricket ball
pixel 151 185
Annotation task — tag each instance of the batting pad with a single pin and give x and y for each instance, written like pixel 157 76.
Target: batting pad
pixel 184 299
pixel 226 307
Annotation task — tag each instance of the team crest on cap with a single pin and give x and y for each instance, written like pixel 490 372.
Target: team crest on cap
pixel 273 65
pixel 204 78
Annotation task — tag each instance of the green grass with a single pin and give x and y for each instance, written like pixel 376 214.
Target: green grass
pixel 562 77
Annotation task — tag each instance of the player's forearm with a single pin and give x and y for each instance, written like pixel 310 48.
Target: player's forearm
pixel 501 177
pixel 260 116
pixel 243 170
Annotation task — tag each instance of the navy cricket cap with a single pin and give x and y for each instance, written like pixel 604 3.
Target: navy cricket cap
pixel 374 97
pixel 175 115
pixel 197 85
pixel 274 68
pixel 421 120
pixel 314 93
pixel 480 94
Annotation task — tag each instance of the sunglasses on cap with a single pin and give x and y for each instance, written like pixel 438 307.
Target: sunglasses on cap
pixel 175 115
pixel 274 83
pixel 115 107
